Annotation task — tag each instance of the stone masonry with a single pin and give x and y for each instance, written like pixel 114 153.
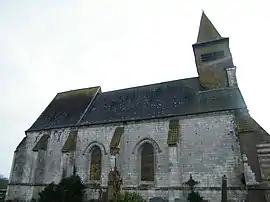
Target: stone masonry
pixel 208 149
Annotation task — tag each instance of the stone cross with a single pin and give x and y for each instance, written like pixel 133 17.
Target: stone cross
pixel 191 183
pixel 114 183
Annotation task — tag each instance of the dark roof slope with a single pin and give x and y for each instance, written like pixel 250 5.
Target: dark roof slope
pixel 173 98
pixel 66 109
pixel 179 97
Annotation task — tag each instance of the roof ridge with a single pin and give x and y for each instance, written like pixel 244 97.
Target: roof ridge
pixel 218 89
pixel 90 104
pixel 147 85
pixel 78 89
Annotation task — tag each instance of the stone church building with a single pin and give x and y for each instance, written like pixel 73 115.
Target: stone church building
pixel 156 135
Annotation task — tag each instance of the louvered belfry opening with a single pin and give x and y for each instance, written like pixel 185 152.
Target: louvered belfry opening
pixel 208 57
pixel 147 162
pixel 95 168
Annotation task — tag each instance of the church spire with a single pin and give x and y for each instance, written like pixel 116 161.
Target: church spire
pixel 213 57
pixel 207 31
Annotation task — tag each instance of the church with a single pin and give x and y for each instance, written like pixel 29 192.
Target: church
pixel 156 135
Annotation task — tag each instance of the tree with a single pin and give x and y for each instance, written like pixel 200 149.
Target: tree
pixel 130 197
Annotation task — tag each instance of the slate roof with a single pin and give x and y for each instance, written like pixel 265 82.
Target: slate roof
pixel 180 97
pixel 173 98
pixel 66 109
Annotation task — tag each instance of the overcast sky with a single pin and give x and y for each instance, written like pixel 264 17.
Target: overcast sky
pixel 51 46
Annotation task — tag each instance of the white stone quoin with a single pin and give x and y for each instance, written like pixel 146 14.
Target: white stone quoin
pixel 112 161
pixel 231 75
pixel 249 175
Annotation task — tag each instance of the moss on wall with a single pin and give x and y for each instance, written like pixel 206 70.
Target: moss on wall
pixel 174 133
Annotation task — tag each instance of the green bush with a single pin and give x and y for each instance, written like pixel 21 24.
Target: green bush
pixel 195 197
pixel 68 190
pixel 130 197
pixel 71 189
pixel 48 193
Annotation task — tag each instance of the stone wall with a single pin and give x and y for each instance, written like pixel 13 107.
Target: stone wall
pixel 213 74
pixel 19 192
pixel 207 149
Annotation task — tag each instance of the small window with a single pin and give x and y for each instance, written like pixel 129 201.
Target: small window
pixel 207 57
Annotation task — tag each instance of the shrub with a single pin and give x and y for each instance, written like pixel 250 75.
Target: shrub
pixel 130 197
pixel 195 197
pixel 68 190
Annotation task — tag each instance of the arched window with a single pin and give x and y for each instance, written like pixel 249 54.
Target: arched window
pixel 147 162
pixel 95 169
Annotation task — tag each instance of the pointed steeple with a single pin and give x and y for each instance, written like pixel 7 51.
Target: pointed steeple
pixel 213 57
pixel 207 31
